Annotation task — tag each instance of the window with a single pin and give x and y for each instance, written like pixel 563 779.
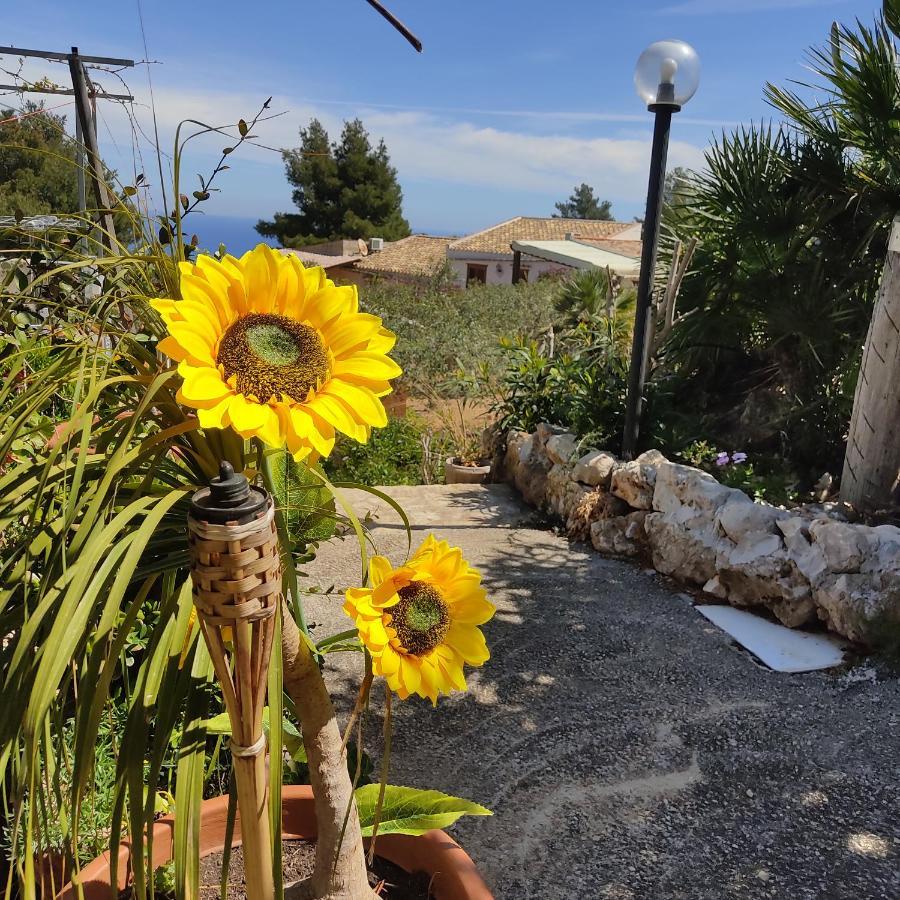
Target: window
pixel 475 273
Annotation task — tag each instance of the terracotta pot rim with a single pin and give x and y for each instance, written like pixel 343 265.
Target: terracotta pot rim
pixel 455 876
pixel 481 467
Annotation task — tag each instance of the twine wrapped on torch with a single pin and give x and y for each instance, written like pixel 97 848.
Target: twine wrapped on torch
pixel 236 574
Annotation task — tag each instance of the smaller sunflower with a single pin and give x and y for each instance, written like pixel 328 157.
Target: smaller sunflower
pixel 420 621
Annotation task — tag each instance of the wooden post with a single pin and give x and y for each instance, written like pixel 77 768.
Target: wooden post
pixel 517 266
pixel 95 164
pixel 871 478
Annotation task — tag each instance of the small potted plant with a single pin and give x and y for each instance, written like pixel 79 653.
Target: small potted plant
pixel 467 465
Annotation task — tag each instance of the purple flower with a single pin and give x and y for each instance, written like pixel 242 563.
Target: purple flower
pixel 739 457
pixel 722 459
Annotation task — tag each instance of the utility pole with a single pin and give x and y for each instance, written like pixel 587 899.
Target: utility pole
pixel 86 97
pixel 95 164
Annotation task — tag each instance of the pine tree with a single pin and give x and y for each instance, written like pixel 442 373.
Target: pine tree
pixel 584 205
pixel 345 189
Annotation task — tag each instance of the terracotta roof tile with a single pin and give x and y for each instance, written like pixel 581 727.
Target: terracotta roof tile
pixel 524 228
pixel 417 255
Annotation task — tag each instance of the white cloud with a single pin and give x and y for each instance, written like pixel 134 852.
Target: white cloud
pixel 718 7
pixel 428 148
pixel 425 146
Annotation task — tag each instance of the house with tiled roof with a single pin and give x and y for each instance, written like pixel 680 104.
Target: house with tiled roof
pixel 486 257
pixel 418 257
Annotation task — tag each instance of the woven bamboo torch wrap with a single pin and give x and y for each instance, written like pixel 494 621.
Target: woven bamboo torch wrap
pixel 236 574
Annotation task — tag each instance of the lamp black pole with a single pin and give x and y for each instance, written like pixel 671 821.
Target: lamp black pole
pixel 637 372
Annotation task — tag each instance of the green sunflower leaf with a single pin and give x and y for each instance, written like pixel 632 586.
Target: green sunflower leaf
pixel 410 810
pixel 306 504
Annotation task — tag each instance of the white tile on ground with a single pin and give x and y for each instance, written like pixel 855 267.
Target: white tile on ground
pixel 780 648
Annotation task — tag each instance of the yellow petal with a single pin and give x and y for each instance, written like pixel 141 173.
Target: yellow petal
pixel 339 415
pixel 312 429
pixel 260 278
pixel 327 304
pixel 382 341
pixel 196 342
pixel 216 416
pixel 367 365
pixel 468 642
pixel 197 289
pixel 410 673
pixel 172 349
pixel 473 610
pixel 350 334
pixel 246 416
pixel 202 384
pixel 366 407
pixel 389 662
pixel 379 569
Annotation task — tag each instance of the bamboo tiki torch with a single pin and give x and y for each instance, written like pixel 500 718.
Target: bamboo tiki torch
pixel 236 574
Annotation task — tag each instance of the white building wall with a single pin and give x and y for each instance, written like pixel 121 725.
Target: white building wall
pixel 500 271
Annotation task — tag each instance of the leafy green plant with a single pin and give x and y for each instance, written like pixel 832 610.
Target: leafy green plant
pixel 406 451
pixel 440 331
pixel 580 382
pixel 410 810
pixel 792 226
pixel 764 480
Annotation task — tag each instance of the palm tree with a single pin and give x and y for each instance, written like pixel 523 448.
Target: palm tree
pixel 792 223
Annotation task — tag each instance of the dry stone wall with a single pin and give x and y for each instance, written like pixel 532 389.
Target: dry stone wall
pixel 802 564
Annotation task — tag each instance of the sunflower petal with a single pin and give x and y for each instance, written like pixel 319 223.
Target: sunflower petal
pixel 469 642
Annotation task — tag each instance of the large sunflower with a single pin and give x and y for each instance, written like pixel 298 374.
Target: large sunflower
pixel 420 621
pixel 277 351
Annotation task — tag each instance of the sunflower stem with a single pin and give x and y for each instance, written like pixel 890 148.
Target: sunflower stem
pixel 290 582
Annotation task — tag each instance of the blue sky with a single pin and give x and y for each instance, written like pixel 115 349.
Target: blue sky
pixel 510 105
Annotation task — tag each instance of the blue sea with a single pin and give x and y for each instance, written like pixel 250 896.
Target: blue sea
pixel 236 233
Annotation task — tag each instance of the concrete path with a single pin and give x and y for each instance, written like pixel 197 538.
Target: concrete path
pixel 627 747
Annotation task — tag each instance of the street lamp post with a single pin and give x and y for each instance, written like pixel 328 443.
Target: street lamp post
pixel 666 77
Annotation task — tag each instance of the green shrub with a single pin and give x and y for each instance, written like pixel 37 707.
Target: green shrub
pixel 792 225
pixel 580 384
pixel 405 452
pixel 440 331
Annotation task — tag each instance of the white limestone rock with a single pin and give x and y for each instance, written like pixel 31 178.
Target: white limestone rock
pixel 807 557
pixel 739 516
pixel 757 572
pixel 544 431
pixel 863 608
pixel 687 495
pixel 715 588
pixel 688 554
pixel 844 546
pixel 595 468
pixel 561 448
pixel 563 495
pixel 621 535
pixel 884 551
pixel 634 481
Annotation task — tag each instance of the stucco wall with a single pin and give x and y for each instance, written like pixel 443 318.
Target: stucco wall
pixel 500 271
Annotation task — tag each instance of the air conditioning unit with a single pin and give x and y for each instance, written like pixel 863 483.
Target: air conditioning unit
pixel 376 244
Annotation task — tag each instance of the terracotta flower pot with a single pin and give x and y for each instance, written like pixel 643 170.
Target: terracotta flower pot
pixel 435 853
pixel 456 473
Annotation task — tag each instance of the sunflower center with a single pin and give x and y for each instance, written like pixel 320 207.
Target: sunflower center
pixel 421 618
pixel 273 355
